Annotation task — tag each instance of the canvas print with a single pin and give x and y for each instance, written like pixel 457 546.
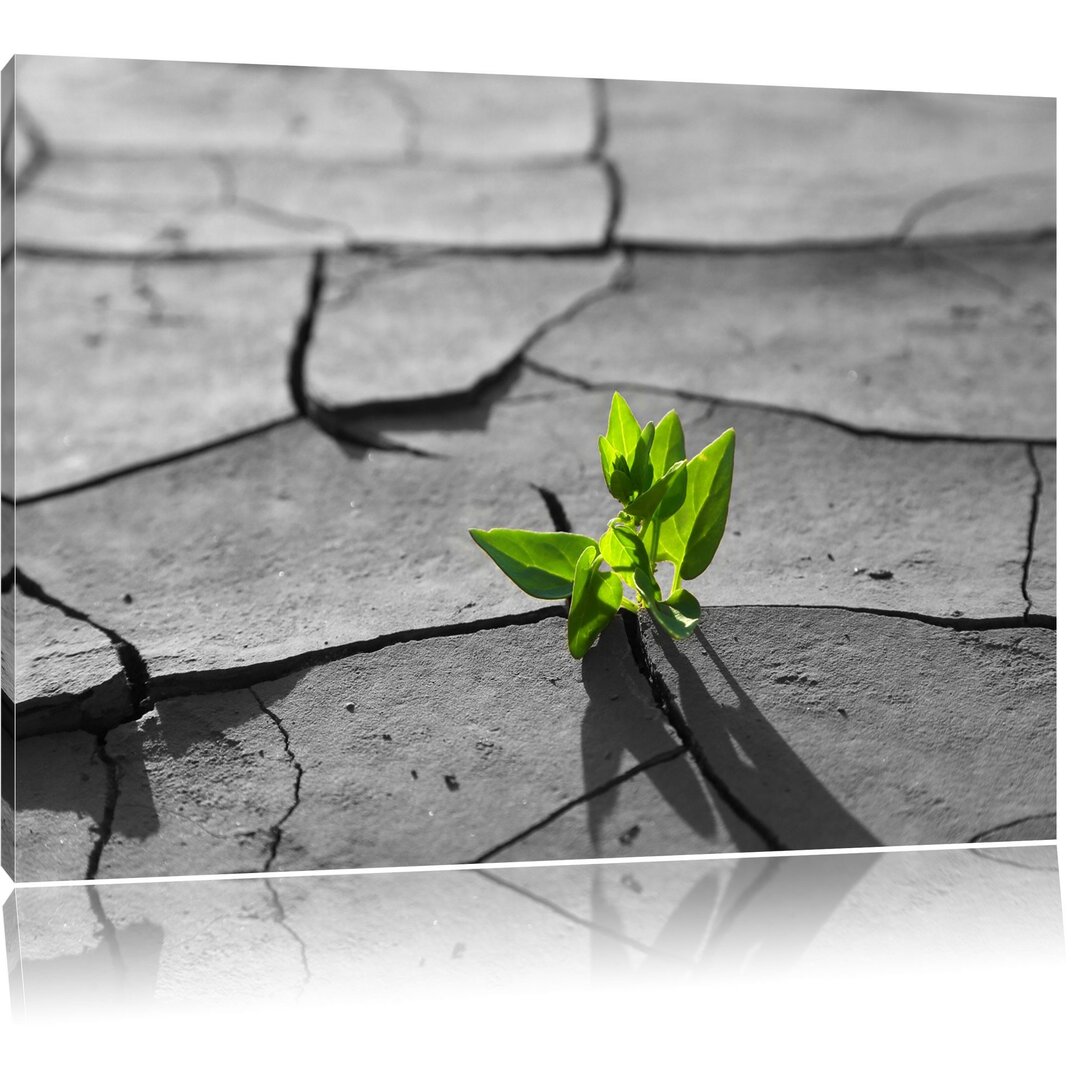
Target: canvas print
pixel 422 469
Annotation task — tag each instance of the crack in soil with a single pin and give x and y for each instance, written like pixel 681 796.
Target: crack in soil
pixel 869 243
pixel 1033 521
pixel 782 410
pixel 112 795
pixel 242 678
pixel 598 153
pixel 949 622
pixel 131 662
pixel 981 837
pixel 932 202
pixel 665 702
pixel 659 759
pixel 349 423
pixel 554 508
pixel 305 329
pixel 298 769
pixel 151 463
pixel 281 919
pixel 557 909
pixel 108 930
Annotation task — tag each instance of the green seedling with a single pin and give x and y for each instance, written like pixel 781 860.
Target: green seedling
pixel 674 510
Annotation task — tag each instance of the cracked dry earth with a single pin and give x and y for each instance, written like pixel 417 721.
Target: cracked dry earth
pixel 284 335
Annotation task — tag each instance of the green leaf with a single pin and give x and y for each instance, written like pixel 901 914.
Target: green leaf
pixel 621 486
pixel 690 537
pixel 608 453
pixel 597 595
pixel 623 430
pixel 679 615
pixel 637 559
pixel 647 504
pixel 669 444
pixel 540 563
pixel 641 470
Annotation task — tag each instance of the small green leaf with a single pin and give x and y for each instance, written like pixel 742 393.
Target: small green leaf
pixel 669 445
pixel 647 504
pixel 690 537
pixel 597 595
pixel 641 470
pixel 540 563
pixel 607 459
pixel 637 558
pixel 619 559
pixel 623 430
pixel 679 615
pixel 621 486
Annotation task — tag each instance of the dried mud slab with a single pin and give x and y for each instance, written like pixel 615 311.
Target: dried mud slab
pixel 560 206
pixel 331 113
pixel 439 751
pixel 67 673
pixel 391 328
pixel 936 342
pixel 201 783
pixel 760 165
pixel 162 207
pixel 421 753
pixel 818 515
pixel 828 725
pixel 219 333
pixel 109 205
pixel 278 545
pixel 60 796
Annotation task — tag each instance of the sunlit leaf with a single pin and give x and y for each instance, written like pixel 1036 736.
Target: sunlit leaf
pixel 690 537
pixel 641 470
pixel 669 445
pixel 650 503
pixel 597 595
pixel 623 430
pixel 540 563
pixel 679 615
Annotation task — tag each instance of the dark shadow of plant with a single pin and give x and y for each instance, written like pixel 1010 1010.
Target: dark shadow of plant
pixel 751 758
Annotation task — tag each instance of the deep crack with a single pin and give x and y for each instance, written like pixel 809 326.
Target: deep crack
pixel 351 423
pixel 554 508
pixel 242 678
pixel 667 705
pixel 298 769
pixel 305 330
pixel 1033 521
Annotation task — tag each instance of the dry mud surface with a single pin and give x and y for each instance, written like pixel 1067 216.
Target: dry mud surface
pixel 271 368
